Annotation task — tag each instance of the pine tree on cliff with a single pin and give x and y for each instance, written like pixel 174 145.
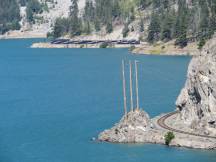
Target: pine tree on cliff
pixel 75 23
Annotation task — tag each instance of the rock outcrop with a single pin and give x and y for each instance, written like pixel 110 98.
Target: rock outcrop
pixel 134 127
pixel 197 100
pixel 137 127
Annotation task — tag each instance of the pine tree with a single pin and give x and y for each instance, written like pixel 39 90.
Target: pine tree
pixel 9 15
pixel 97 24
pixel 125 30
pixel 181 24
pixel 109 27
pixel 168 25
pixel 141 25
pixel 154 28
pixel 61 27
pixel 144 4
pixel 156 3
pixel 205 21
pixel 75 23
pixel 165 4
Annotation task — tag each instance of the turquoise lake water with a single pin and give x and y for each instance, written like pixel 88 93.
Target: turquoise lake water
pixel 53 101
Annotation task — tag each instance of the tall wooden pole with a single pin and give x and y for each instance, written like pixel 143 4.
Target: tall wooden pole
pixel 124 89
pixel 131 87
pixel 137 88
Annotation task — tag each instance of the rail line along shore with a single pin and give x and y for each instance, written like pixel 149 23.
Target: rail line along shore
pixel 82 43
pixel 136 46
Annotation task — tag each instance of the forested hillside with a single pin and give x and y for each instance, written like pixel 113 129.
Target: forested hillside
pixel 154 20
pixel 182 20
pixel 9 15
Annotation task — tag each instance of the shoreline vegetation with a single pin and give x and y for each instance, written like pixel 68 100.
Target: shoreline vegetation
pixel 159 48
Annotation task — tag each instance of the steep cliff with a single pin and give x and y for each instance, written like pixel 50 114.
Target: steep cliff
pixel 197 100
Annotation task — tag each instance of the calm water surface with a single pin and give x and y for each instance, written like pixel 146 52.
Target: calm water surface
pixel 53 101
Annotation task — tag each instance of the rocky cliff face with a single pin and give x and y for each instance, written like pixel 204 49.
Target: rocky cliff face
pixel 197 100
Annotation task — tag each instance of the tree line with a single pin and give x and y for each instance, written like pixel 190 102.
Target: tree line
pixel 10 13
pixel 191 19
pixel 195 20
pixel 101 13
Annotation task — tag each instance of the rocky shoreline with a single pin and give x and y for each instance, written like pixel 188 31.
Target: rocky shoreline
pixel 137 127
pixel 194 126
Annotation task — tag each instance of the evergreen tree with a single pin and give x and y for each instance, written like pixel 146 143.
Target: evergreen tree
pixel 181 24
pixel 205 21
pixel 154 28
pixel 165 4
pixel 156 3
pixel 33 7
pixel 75 23
pixel 168 26
pixel 125 30
pixel 61 27
pixel 9 16
pixel 116 11
pixel 89 11
pixel 144 4
pixel 97 24
pixel 109 27
pixel 141 25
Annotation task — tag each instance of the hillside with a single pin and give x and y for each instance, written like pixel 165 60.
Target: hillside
pixel 180 22
pixel 36 17
pixel 184 21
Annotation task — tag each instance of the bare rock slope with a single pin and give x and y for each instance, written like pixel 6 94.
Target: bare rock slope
pixel 197 100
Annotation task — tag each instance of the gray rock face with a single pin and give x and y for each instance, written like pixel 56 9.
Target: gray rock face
pixel 197 100
pixel 131 128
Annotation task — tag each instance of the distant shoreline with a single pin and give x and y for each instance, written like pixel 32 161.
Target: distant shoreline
pixel 140 49
pixel 17 34
pixel 163 49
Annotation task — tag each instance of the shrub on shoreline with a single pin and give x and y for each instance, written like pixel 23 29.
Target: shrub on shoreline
pixel 169 136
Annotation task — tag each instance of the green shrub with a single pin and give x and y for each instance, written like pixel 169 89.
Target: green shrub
pixel 169 136
pixel 201 43
pixel 104 45
pixel 132 48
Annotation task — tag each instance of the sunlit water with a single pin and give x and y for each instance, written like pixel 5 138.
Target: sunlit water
pixel 53 101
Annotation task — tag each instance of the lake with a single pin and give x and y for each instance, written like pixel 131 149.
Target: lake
pixel 53 101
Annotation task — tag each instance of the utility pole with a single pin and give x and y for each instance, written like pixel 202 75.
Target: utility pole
pixel 131 87
pixel 137 88
pixel 124 90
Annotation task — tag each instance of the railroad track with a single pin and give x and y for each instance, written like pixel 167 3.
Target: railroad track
pixel 161 123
